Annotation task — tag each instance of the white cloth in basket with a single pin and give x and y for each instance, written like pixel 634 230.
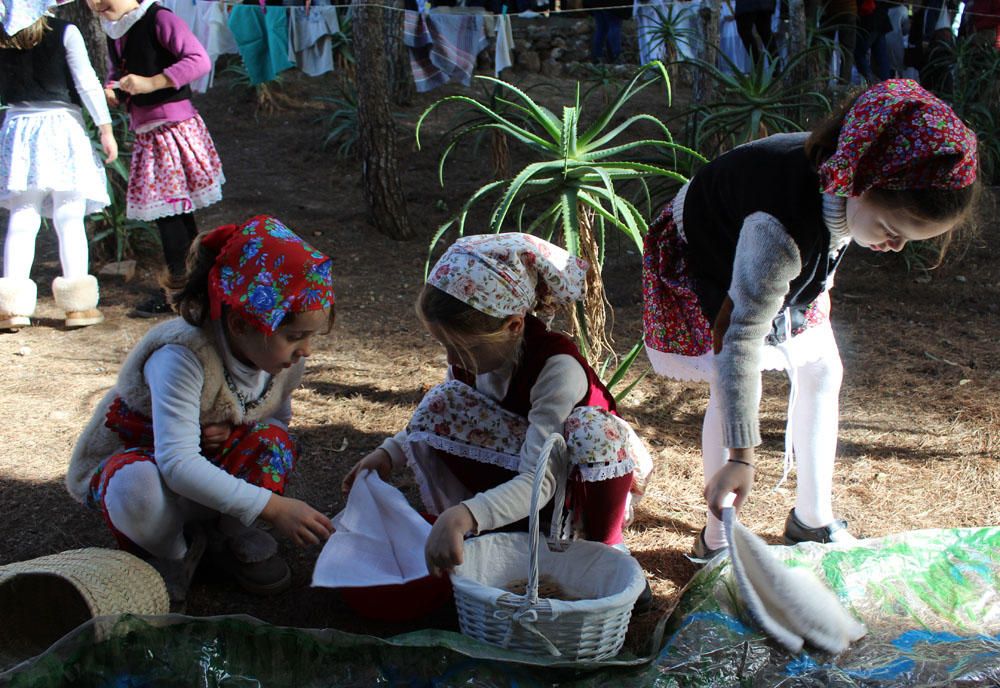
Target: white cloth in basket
pixel 379 539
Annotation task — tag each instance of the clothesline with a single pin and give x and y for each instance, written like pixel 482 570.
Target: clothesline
pixel 531 13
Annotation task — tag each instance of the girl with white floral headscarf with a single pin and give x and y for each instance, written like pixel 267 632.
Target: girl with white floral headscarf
pixel 473 442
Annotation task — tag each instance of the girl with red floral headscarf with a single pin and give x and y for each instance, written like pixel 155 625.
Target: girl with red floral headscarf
pixel 737 268
pixel 195 431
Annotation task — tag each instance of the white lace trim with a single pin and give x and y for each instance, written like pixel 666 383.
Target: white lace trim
pixel 467 451
pixel 202 198
pixel 681 367
pixel 595 473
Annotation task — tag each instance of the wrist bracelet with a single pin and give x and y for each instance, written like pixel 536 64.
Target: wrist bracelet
pixel 745 463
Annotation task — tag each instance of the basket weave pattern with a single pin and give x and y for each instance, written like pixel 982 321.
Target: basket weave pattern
pixel 109 581
pixel 583 630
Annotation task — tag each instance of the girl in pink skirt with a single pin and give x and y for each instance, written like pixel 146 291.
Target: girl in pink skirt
pixel 175 168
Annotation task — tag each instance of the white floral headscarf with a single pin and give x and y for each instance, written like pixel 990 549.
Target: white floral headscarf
pixel 20 14
pixel 509 274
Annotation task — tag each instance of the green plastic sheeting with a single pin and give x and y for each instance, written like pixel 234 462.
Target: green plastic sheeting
pixel 930 599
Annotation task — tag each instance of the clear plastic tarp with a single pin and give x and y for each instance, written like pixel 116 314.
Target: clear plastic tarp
pixel 930 599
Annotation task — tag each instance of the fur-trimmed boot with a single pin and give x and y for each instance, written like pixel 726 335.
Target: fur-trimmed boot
pixel 78 297
pixel 17 302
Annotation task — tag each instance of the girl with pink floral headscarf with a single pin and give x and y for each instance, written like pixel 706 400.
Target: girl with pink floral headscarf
pixel 473 442
pixel 193 438
pixel 737 268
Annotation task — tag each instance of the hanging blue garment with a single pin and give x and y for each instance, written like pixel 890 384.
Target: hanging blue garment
pixel 262 38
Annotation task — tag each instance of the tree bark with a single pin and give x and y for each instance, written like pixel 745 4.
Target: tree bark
pixel 380 181
pixel 797 42
pixel 400 75
pixel 93 36
pixel 708 25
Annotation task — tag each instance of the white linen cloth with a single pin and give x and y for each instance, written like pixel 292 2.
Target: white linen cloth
pixel 790 604
pixel 379 539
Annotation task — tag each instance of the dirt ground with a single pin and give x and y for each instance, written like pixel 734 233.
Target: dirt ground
pixel 920 416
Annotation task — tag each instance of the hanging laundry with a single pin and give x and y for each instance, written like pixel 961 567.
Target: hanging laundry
pixel 647 19
pixel 211 28
pixel 504 45
pixel 311 38
pixel 262 37
pixel 442 47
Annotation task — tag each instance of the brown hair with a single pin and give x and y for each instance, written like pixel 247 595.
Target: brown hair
pixel 934 205
pixel 188 293
pixel 27 38
pixel 461 324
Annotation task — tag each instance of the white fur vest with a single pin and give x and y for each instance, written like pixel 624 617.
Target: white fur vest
pixel 218 404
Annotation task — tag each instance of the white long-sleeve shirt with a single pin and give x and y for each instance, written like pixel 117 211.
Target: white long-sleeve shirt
pixel 175 377
pixel 560 385
pixel 84 78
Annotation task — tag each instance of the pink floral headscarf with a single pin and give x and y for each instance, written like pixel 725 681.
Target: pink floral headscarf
pixel 897 135
pixel 509 274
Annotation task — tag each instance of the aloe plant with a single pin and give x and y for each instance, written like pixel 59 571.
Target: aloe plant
pixel 753 104
pixel 111 223
pixel 577 180
pixel 969 78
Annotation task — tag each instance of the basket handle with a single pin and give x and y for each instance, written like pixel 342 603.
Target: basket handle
pixel 555 443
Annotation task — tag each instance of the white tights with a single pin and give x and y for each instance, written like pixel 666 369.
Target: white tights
pixel 813 421
pixel 149 513
pixel 68 211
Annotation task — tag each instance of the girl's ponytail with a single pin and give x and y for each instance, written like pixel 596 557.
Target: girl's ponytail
pixel 189 292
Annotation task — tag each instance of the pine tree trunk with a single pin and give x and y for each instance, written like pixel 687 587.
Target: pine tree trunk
pixel 400 75
pixel 797 42
pixel 380 181
pixel 93 36
pixel 708 25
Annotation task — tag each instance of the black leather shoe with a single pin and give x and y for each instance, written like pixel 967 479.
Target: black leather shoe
pixel 796 531
pixel 644 602
pixel 152 307
pixel 701 552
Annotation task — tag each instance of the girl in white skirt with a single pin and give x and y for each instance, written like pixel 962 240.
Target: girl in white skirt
pixel 175 168
pixel 48 167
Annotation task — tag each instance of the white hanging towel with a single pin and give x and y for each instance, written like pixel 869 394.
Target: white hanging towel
pixel 790 604
pixel 379 539
pixel 504 46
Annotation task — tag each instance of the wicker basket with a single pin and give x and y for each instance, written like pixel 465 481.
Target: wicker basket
pixel 43 599
pixel 588 629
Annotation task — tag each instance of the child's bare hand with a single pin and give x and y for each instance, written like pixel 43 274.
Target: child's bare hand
pixel 732 477
pixel 214 435
pixel 379 461
pixel 134 84
pixel 108 143
pixel 296 520
pixel 111 97
pixel 443 550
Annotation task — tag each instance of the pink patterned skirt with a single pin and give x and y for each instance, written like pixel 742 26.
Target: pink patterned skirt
pixel 175 169
pixel 672 318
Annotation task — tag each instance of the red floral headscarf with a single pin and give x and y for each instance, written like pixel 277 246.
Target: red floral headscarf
pixel 264 271
pixel 899 136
